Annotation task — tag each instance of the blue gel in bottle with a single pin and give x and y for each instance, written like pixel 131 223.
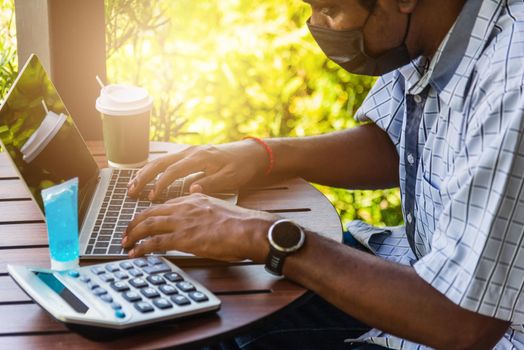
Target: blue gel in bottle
pixel 61 211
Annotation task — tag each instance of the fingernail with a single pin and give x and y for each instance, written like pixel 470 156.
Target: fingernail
pixel 124 242
pixel 131 253
pixel 196 188
pixel 151 195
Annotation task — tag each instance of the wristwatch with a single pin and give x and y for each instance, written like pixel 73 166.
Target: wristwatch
pixel 285 237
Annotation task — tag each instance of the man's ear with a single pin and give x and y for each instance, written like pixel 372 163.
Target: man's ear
pixel 407 6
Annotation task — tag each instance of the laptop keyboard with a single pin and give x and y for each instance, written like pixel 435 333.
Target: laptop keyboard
pixel 118 210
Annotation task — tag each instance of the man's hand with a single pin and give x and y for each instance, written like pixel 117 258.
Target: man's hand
pixel 201 225
pixel 225 167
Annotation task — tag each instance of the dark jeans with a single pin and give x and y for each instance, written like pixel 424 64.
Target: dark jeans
pixel 309 324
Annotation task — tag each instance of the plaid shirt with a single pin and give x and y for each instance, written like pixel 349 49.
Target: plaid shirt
pixel 457 123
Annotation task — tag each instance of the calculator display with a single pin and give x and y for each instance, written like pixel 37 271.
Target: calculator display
pixel 52 282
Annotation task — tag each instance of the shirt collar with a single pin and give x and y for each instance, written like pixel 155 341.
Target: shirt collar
pixel 450 69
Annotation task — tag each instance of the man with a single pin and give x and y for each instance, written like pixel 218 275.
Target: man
pixel 447 118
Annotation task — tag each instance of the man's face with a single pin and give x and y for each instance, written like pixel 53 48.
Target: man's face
pixel 383 25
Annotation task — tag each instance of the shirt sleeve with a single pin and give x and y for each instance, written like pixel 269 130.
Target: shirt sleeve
pixel 477 249
pixel 384 105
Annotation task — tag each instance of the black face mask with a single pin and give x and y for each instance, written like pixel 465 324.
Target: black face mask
pixel 346 48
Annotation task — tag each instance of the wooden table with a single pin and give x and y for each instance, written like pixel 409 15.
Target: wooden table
pixel 247 292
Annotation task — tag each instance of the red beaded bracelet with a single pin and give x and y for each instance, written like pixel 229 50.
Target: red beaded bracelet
pixel 269 151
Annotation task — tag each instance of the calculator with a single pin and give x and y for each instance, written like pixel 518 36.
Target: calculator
pixel 119 295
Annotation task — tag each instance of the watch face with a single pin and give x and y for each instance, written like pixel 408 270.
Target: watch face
pixel 286 234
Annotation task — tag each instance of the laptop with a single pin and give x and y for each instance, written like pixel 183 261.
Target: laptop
pixel 46 148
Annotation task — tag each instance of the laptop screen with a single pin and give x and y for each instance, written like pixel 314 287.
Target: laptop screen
pixel 45 145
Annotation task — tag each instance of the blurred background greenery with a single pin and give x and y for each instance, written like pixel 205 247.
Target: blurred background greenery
pixel 223 69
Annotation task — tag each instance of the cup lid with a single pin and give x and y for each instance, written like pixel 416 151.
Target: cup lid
pixel 42 136
pixel 120 99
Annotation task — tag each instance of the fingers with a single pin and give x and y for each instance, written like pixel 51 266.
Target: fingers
pixel 160 243
pixel 213 183
pixel 156 220
pixel 174 172
pixel 150 171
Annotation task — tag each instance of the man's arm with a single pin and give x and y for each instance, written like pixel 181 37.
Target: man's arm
pixel 389 296
pixel 362 157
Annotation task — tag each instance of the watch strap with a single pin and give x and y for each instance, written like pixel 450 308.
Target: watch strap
pixel 275 261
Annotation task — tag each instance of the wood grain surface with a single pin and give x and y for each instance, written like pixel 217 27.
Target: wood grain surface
pixel 247 292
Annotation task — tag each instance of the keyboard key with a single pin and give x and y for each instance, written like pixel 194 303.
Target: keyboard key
pixel 112 213
pixel 98 270
pixel 121 275
pixel 126 265
pixel 106 278
pixel 115 305
pixel 143 307
pixel 100 251
pixel 107 298
pixel 104 238
pixel 135 272
pixel 110 219
pixel 99 291
pixel 123 222
pixel 162 303
pixel 127 211
pixel 154 260
pixel 108 226
pixel 106 232
pixel 115 249
pixel 102 245
pixel 89 249
pixel 140 262
pixel 132 296
pixel 168 289
pixel 150 292
pixel 138 282
pixel 112 267
pixel 114 208
pixel 156 280
pixel 118 196
pixel 119 190
pixel 126 217
pixel 129 205
pixel 120 286
pixel 92 241
pixel 74 273
pixel 185 286
pixel 85 279
pixel 180 300
pixel 144 204
pixel 156 269
pixel 92 285
pixel 116 203
pixel 198 296
pixel 173 277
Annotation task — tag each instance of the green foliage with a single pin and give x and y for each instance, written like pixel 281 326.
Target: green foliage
pixel 8 64
pixel 223 69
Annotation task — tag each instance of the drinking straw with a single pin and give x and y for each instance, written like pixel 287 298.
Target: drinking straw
pixel 45 107
pixel 99 81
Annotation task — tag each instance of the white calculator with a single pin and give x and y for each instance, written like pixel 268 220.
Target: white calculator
pixel 120 294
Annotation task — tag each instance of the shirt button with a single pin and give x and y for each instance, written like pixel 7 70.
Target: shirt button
pixel 409 217
pixel 411 159
pixel 417 98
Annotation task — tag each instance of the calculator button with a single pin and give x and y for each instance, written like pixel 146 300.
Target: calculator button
pixel 140 262
pixel 132 296
pixel 185 286
pixel 120 314
pixel 97 270
pixel 138 282
pixel 121 275
pixel 126 265
pixel 106 278
pixel 107 298
pixel 198 296
pixel 112 267
pixel 149 292
pixel 92 285
pixel 156 269
pixel 153 260
pixel 120 286
pixel 173 277
pixel 135 272
pixel 180 300
pixel 74 274
pixel 143 307
pixel 115 305
pixel 162 303
pixel 99 291
pixel 156 280
pixel 85 279
pixel 168 289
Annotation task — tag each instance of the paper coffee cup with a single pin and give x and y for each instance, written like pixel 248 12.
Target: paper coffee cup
pixel 126 114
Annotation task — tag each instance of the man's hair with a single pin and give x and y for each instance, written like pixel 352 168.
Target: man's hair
pixel 368 4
